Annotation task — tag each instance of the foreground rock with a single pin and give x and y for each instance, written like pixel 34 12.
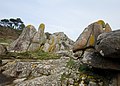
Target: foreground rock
pixel 32 73
pixel 108 44
pixel 53 72
pixel 99 48
pixel 94 59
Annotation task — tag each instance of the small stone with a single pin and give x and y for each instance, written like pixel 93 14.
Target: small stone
pixel 71 81
pixel 101 52
pixel 19 80
pixel 100 83
pixel 91 83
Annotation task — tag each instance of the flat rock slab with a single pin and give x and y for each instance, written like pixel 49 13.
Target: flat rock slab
pixel 108 44
pixel 94 59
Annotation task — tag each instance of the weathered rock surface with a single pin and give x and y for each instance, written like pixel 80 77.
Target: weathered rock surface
pixel 89 36
pixel 38 40
pixel 3 50
pixel 94 59
pixel 24 40
pixel 57 41
pixel 31 40
pixel 108 44
pixel 100 49
pixel 53 72
pixel 32 73
pixel 62 71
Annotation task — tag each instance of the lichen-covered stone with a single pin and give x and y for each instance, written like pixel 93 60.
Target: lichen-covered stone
pixel 23 42
pixel 39 39
pixel 32 40
pixel 94 59
pixel 32 73
pixel 89 36
pixel 57 42
pixel 108 44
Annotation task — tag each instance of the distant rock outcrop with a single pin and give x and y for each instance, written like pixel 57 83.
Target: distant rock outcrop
pixel 23 42
pixel 38 40
pixel 31 40
pixel 57 41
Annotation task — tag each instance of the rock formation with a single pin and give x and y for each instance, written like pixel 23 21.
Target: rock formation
pixel 57 41
pixel 31 40
pixel 88 37
pixel 100 48
pixel 108 44
pixel 23 42
pixel 107 52
pixel 38 40
pixel 97 46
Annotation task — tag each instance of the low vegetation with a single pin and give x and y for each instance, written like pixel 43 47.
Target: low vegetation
pixel 35 55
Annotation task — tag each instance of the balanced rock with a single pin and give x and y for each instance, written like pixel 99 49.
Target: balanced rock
pixel 89 36
pixel 23 42
pixel 108 44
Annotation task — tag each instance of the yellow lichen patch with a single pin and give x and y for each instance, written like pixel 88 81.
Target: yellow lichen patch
pixel 91 40
pixel 28 26
pixel 52 45
pixel 34 65
pixel 101 22
pixel 42 26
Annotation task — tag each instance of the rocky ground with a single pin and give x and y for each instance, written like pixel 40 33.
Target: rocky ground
pixel 36 58
pixel 54 72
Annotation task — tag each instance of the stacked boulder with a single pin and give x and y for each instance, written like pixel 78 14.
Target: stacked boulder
pixel 99 47
pixel 31 40
pixel 89 36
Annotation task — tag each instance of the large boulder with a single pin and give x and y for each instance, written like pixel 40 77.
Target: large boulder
pixel 94 59
pixel 56 42
pixel 89 36
pixel 108 44
pixel 23 42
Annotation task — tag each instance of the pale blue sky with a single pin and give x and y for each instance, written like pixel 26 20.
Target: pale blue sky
pixel 69 16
